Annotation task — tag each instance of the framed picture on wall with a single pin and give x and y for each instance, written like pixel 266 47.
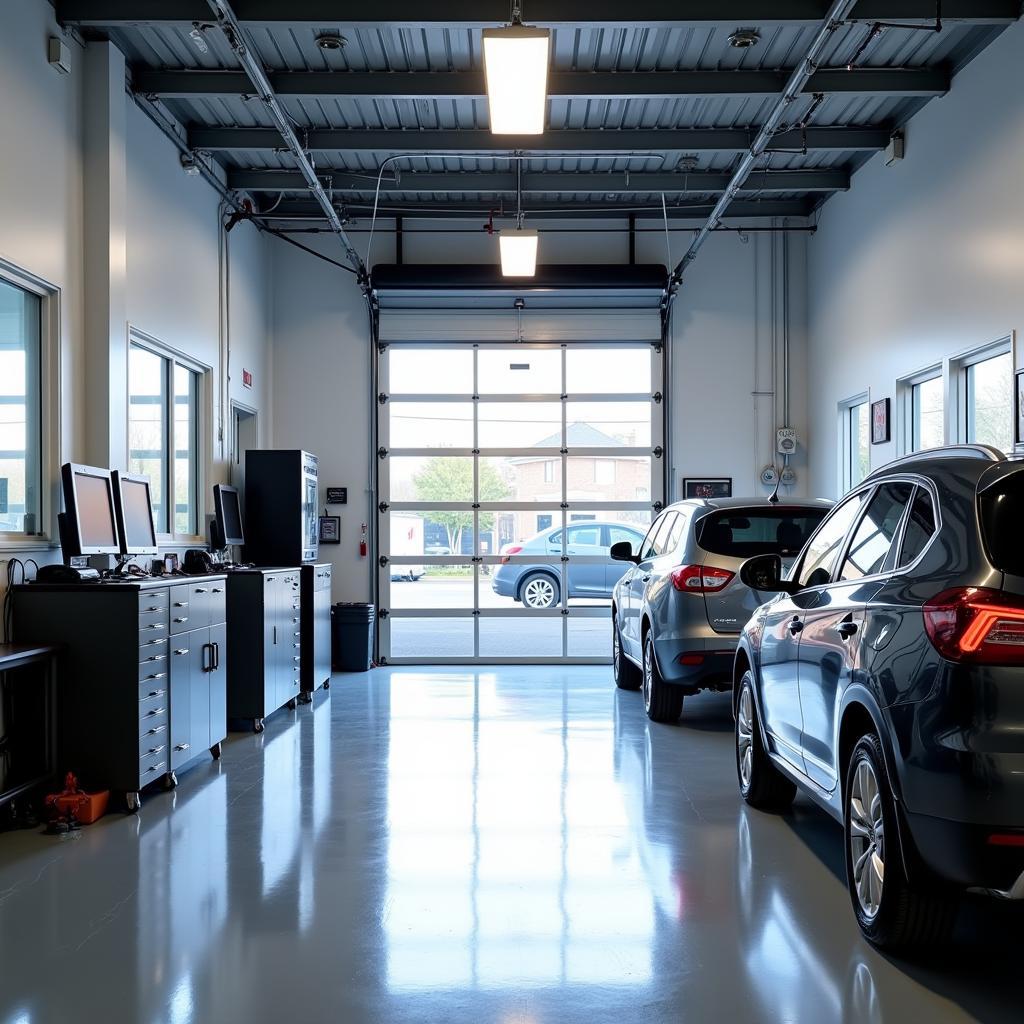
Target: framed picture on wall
pixel 330 529
pixel 1018 392
pixel 707 487
pixel 880 426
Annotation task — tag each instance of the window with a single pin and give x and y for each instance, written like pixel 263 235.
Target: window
pixel 988 401
pixel 617 534
pixel 920 527
pixel 653 545
pixel 926 414
pixel 771 531
pixel 855 441
pixel 873 539
pixel 584 536
pixel 604 471
pixel 819 562
pixel 163 436
pixel 20 412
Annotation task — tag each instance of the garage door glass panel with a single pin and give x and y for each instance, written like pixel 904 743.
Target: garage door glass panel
pixel 432 585
pixel 608 478
pixel 431 479
pixel 517 478
pixel 523 371
pixel 599 371
pixel 520 425
pixel 431 424
pixel 608 424
pixel 446 637
pixel 590 637
pixel 426 371
pixel 509 637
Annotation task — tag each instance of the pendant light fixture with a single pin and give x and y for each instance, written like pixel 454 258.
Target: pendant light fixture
pixel 518 246
pixel 516 71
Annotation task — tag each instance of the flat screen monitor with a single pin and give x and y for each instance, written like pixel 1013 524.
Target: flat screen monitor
pixel 134 510
pixel 89 502
pixel 229 513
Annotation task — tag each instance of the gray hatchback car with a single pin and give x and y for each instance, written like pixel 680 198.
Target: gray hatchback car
pixel 678 611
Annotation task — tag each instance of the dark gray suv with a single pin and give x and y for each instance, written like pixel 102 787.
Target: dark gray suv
pixel 886 681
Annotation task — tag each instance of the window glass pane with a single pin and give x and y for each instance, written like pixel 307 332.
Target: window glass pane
pixel 519 372
pixel 749 532
pixel 820 560
pixel 990 402
pixel 609 424
pixel 186 454
pixel 439 478
pixel 657 541
pixel 424 371
pixel 20 454
pixel 920 527
pixel 619 478
pixel 147 425
pixel 430 424
pixel 926 403
pixel 520 424
pixel 874 535
pixel 603 371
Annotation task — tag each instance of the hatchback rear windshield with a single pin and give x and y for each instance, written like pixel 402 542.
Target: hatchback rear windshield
pixel 769 531
pixel 1001 508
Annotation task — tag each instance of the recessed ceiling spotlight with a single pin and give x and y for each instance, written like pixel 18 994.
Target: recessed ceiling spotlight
pixel 330 41
pixel 744 38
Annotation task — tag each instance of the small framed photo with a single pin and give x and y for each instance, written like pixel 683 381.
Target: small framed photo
pixel 330 529
pixel 707 487
pixel 880 426
pixel 170 563
pixel 1018 392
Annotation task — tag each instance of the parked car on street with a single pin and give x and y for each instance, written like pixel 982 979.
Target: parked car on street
pixel 885 679
pixel 678 611
pixel 540 586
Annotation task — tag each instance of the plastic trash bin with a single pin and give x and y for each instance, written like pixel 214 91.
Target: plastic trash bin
pixel 352 637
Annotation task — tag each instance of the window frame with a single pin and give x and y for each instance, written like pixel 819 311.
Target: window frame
pixel 959 388
pixel 199 430
pixel 906 405
pixel 895 542
pixel 49 419
pixel 865 494
pixel 846 440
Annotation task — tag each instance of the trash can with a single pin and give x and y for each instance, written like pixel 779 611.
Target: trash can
pixel 352 637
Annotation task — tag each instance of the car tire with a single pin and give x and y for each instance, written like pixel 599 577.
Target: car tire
pixel 539 590
pixel 627 675
pixel 893 913
pixel 762 785
pixel 662 701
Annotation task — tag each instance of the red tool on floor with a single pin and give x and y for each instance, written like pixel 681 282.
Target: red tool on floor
pixel 74 807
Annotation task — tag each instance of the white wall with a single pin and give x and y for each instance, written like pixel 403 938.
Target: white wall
pixel 922 260
pixel 172 273
pixel 722 328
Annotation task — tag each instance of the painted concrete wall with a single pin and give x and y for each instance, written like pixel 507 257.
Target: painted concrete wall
pixel 722 330
pixel 171 226
pixel 923 260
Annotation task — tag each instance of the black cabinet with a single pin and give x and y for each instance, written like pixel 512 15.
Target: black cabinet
pixel 262 677
pixel 135 711
pixel 282 508
pixel 316 627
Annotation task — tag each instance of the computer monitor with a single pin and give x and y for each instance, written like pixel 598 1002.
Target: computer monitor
pixel 134 510
pixel 229 514
pixel 91 526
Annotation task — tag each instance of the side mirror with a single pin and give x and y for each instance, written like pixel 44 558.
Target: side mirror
pixel 623 552
pixel 764 573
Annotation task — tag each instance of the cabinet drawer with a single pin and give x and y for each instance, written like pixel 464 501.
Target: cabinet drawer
pixel 152 601
pixel 153 618
pixel 156 722
pixel 151 767
pixel 152 710
pixel 150 663
pixel 152 651
pixel 155 734
pixel 218 603
pixel 154 683
pixel 152 630
pixel 322 580
pixel 153 745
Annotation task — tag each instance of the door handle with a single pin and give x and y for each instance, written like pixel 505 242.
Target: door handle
pixel 846 628
pixel 216 656
pixel 644 579
pixel 207 649
pixel 796 626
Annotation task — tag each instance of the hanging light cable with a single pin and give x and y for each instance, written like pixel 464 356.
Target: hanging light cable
pixel 516 71
pixel 518 246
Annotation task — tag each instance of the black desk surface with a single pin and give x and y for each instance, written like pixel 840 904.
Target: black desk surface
pixel 125 583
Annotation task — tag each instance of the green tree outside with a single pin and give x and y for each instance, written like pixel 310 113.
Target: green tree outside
pixel 446 479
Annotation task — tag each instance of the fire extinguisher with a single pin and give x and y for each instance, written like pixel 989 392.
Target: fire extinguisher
pixel 362 543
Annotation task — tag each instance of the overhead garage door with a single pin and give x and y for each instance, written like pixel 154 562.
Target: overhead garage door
pixel 515 447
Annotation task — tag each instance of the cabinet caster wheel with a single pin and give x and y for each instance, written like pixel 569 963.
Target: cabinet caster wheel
pixel 170 781
pixel 327 684
pixel 215 751
pixel 305 698
pixel 292 704
pixel 257 725
pixel 132 803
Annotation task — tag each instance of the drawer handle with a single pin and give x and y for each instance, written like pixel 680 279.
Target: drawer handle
pixel 182 618
pixel 157 657
pixel 155 730
pixel 182 746
pixel 153 608
pixel 154 625
pixel 156 675
pixel 297 633
pixel 153 768
pixel 181 650
pixel 154 712
pixel 153 693
pixel 181 604
pixel 200 590
pixel 153 750
pixel 296 645
pixel 150 643
pixel 218 590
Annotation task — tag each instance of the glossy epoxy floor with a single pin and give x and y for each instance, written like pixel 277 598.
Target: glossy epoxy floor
pixel 516 846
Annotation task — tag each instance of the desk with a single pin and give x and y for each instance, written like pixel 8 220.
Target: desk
pixel 28 720
pixel 144 689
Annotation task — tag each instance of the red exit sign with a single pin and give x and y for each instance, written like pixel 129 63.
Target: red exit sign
pixel 246 378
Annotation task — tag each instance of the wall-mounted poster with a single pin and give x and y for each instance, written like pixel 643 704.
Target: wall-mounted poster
pixel 330 529
pixel 707 487
pixel 880 430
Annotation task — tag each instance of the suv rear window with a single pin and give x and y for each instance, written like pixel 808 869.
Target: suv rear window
pixel 744 533
pixel 1001 508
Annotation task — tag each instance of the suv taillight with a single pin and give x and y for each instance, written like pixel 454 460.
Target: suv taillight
pixel 513 550
pixel 977 625
pixel 700 579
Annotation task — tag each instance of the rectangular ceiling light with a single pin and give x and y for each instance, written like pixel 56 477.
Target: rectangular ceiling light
pixel 518 252
pixel 516 69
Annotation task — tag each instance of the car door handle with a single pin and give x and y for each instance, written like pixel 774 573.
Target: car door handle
pixel 846 628
pixel 796 626
pixel 644 579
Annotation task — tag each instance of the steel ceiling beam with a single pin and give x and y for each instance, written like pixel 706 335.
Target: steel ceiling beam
pixel 746 208
pixel 569 141
pixel 569 182
pixel 469 13
pixel 561 84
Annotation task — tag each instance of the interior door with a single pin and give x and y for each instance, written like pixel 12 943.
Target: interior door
pixel 181 699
